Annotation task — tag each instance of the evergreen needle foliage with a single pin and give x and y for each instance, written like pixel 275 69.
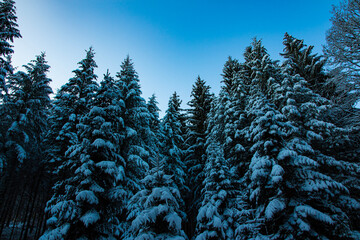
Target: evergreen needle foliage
pixel 275 155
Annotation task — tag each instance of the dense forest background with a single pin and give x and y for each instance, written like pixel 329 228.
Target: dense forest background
pixel 275 155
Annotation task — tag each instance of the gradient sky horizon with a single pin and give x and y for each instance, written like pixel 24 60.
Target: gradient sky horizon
pixel 170 42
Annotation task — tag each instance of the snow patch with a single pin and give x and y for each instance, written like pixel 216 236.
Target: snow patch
pixel 90 217
pixel 87 196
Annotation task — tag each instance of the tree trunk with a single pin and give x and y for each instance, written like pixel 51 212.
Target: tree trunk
pixel 17 213
pixel 35 191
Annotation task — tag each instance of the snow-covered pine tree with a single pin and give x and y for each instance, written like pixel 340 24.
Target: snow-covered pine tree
pixel 317 203
pixel 200 106
pixel 258 65
pixel 258 136
pixel 95 196
pixel 254 55
pixel 139 148
pixel 214 219
pixel 220 113
pixel 226 124
pixel 342 93
pixel 8 32
pixel 252 79
pixel 152 106
pixel 71 103
pixel 182 118
pixel 28 106
pixel 172 142
pixel 262 182
pixel 341 142
pixel 216 117
pixel 155 212
pixel 27 115
pixel 155 125
pixel 26 111
pixel 308 65
pixel 233 102
pixel 222 128
pixel 230 74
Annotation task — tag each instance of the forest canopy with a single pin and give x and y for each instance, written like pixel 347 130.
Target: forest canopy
pixel 273 155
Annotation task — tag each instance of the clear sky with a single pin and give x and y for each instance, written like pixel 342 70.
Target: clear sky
pixel 170 42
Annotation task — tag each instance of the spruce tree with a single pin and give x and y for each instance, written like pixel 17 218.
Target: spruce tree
pixel 254 55
pixel 227 125
pixel 155 211
pixel 252 78
pixel 26 111
pixel 289 190
pixel 182 118
pixel 214 219
pixel 200 106
pixel 308 65
pixel 258 135
pixel 140 141
pixel 172 145
pixel 259 66
pixel 152 106
pixel 95 196
pixel 234 120
pixel 263 180
pixel 29 102
pixel 318 202
pixel 230 74
pixel 72 102
pixel 8 32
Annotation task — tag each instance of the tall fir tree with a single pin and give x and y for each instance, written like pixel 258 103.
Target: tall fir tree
pixel 93 204
pixel 200 106
pixel 230 74
pixel 182 117
pixel 72 102
pixel 342 94
pixel 140 141
pixel 258 116
pixel 155 212
pixel 233 117
pixel 28 107
pixel 308 65
pixel 27 115
pixel 288 190
pixel 254 55
pixel 172 142
pixel 152 106
pixel 259 66
pixel 317 204
pixel 8 32
pixel 215 216
pixel 226 126
pixel 263 196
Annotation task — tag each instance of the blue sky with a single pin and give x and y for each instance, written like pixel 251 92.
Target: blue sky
pixel 171 42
